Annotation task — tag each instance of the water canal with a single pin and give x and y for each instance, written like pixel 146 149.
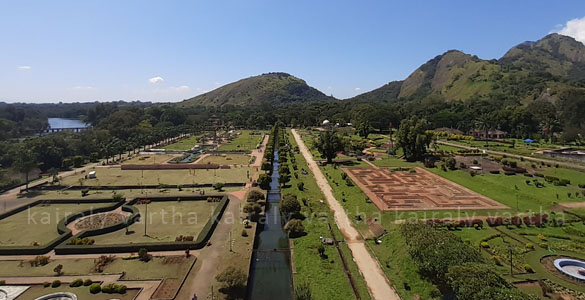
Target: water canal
pixel 270 270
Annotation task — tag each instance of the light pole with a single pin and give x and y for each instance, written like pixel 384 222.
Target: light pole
pixel 146 214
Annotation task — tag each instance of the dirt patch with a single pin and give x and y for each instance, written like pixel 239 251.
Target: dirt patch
pixel 418 190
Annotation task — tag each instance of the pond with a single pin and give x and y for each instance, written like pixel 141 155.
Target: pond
pixel 62 123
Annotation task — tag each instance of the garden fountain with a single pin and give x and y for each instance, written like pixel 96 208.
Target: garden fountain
pixel 571 267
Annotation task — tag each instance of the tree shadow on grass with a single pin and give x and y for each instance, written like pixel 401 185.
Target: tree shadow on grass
pixel 233 293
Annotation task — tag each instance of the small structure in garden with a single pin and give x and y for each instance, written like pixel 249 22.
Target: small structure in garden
pixel 11 292
pixel 58 296
pixel 571 267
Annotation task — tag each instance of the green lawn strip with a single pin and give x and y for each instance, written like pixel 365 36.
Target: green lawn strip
pixel 227 159
pixel 81 292
pixel 325 276
pixel 71 267
pixel 165 221
pixel 149 159
pixel 128 193
pixel 244 142
pixel 118 177
pixel 154 269
pixel 398 265
pixel 184 144
pixel 39 223
pixel 135 269
pixel 510 190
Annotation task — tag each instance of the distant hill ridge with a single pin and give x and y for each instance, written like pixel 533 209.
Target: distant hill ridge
pixel 529 71
pixel 266 88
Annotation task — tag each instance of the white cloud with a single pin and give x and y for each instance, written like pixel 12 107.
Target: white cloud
pixel 156 79
pixel 83 88
pixel 357 89
pixel 26 68
pixel 181 88
pixel 574 28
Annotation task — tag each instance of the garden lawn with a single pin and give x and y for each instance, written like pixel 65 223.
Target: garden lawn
pixel 227 159
pixel 38 223
pixel 244 142
pixel 81 292
pixel 325 276
pixel 165 221
pixel 128 193
pixel 134 269
pixel 511 190
pixel 118 177
pixel 184 144
pixel 149 159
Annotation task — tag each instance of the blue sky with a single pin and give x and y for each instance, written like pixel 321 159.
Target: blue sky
pixel 170 50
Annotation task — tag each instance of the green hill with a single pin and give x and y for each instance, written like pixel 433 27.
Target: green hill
pixel 529 71
pixel 276 88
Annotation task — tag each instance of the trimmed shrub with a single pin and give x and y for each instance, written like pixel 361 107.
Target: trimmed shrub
pixel 485 245
pixel 509 173
pixel 76 283
pixel 301 185
pixel 244 233
pixel 56 284
pixel 255 195
pixel 46 284
pixel 95 288
pixel 497 260
pixel 529 246
pixel 87 282
pixel 528 268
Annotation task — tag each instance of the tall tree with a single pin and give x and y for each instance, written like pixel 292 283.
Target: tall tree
pixel 25 162
pixel 329 144
pixel 414 138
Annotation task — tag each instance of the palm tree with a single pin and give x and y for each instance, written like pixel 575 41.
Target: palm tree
pixel 484 122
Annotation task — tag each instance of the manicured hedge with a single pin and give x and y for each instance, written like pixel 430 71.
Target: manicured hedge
pixel 200 242
pixel 64 232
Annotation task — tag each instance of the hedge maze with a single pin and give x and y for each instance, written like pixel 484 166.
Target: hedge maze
pixel 416 190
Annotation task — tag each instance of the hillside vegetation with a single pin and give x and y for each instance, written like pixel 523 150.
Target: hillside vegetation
pixel 266 88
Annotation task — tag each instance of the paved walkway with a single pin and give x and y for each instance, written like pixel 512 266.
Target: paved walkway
pixel 375 278
pixel 202 277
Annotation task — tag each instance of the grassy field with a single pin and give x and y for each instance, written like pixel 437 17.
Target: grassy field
pixel 326 277
pixel 149 159
pixel 135 269
pixel 244 142
pixel 184 144
pixel 227 159
pixel 38 224
pixel 81 292
pixel 117 177
pixel 165 221
pixel 512 190
pixel 128 193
